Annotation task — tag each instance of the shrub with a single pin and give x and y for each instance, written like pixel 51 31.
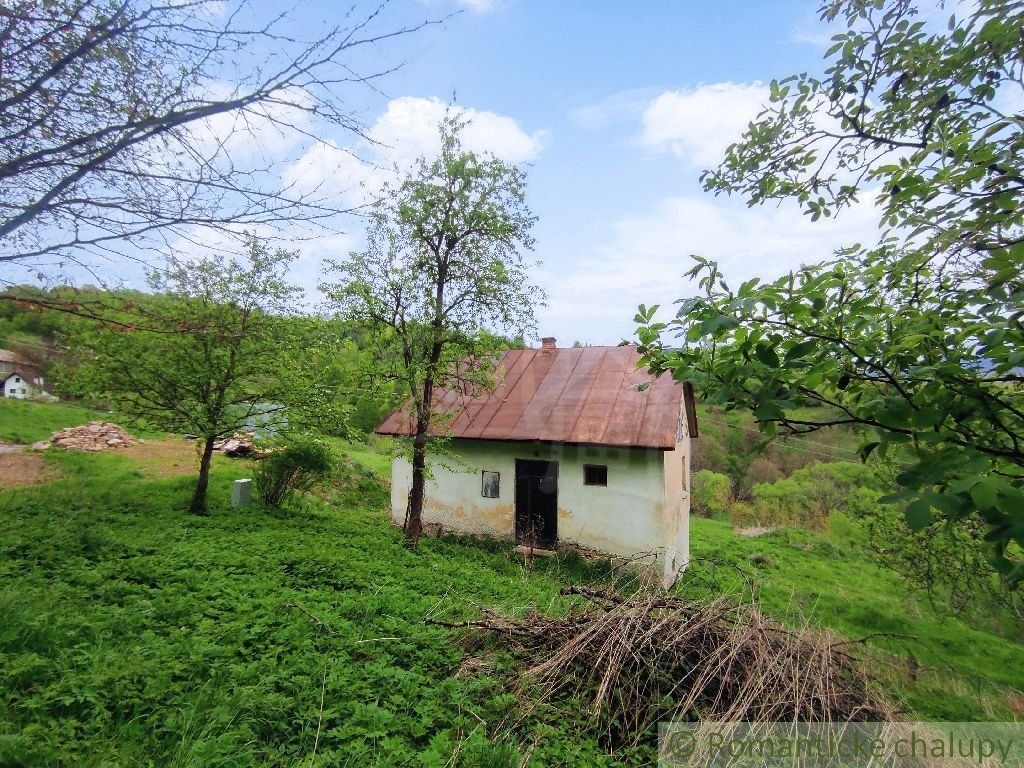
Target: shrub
pixel 763 470
pixel 950 565
pixel 291 469
pixel 810 495
pixel 712 493
pixel 356 486
pixel 743 515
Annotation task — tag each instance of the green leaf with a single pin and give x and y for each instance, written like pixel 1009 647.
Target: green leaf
pixel 801 349
pixel 866 450
pixel 918 514
pixel 985 493
pixel 767 355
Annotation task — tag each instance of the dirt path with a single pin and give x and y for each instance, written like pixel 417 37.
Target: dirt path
pixel 164 458
pixel 154 458
pixel 18 468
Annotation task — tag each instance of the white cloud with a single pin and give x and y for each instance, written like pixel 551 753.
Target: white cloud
pixel 329 172
pixel 267 130
pixel 406 130
pixel 349 176
pixel 616 108
pixel 697 124
pixel 306 271
pixel 478 6
pixel 595 297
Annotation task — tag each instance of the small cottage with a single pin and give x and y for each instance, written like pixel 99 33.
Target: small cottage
pixel 569 447
pixel 19 379
pixel 24 386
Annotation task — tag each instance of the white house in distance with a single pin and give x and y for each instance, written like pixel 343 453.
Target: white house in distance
pixel 567 447
pixel 24 386
pixel 18 378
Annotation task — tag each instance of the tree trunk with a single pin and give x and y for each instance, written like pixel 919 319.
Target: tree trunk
pixel 198 505
pixel 414 514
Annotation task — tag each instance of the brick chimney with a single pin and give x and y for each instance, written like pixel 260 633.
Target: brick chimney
pixel 547 343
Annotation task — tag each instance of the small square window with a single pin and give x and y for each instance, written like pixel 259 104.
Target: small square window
pixel 595 474
pixel 490 483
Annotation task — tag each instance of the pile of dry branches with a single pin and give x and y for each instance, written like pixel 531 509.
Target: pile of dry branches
pixel 648 657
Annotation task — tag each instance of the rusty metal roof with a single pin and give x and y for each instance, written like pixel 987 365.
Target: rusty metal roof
pixel 7 356
pixel 586 395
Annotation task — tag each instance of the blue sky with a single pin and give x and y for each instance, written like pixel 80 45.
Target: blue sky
pixel 617 107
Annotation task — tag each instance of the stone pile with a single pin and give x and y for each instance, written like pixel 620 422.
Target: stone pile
pixel 94 436
pixel 238 445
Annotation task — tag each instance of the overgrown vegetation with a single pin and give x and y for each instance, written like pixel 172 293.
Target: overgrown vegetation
pixel 132 634
pixel 711 494
pixel 731 444
pixel 949 566
pixel 811 495
pixel 291 469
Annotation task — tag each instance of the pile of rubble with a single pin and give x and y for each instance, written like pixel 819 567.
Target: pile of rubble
pixel 238 446
pixel 94 436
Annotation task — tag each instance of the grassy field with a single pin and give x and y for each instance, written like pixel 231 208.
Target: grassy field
pixel 22 421
pixel 134 634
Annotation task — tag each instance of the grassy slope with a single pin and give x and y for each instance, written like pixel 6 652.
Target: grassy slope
pixel 963 673
pixel 376 461
pixel 131 633
pixel 26 422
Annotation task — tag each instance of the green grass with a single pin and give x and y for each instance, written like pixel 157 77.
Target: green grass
pixel 375 457
pixel 22 421
pixel 134 634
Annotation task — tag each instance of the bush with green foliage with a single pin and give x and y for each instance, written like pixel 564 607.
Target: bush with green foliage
pixel 810 495
pixel 949 565
pixel 914 341
pixel 712 493
pixel 290 470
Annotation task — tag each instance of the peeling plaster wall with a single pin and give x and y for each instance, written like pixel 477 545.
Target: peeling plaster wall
pixel 677 504
pixel 636 512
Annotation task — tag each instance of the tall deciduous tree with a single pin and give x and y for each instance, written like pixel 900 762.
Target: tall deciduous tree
pixel 125 123
pixel 442 271
pixel 917 341
pixel 211 351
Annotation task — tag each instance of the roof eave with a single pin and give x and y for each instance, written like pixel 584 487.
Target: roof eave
pixel 536 441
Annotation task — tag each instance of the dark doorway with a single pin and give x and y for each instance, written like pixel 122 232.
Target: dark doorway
pixel 537 503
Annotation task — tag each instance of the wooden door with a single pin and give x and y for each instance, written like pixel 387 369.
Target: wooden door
pixel 537 503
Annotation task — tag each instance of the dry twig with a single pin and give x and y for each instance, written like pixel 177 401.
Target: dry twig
pixel 649 656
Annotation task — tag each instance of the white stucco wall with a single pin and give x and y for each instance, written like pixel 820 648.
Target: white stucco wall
pixel 640 510
pixel 14 385
pixel 676 465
